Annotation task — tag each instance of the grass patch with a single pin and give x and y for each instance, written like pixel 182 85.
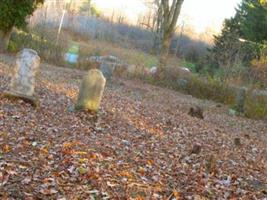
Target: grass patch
pixel 44 42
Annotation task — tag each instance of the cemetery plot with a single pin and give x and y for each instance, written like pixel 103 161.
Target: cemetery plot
pixel 142 144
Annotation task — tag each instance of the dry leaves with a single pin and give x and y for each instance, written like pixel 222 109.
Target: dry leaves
pixel 137 148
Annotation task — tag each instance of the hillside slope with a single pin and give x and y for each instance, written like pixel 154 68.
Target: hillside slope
pixel 142 145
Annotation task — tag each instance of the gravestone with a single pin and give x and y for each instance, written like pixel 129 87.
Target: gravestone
pixel 107 70
pixel 91 91
pixel 109 65
pixel 153 70
pixel 23 78
pixel 240 100
pixel 182 83
pixel 197 112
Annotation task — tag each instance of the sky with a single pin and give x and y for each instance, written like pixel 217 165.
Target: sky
pixel 201 14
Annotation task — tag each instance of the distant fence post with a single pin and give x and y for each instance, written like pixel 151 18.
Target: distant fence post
pixel 60 25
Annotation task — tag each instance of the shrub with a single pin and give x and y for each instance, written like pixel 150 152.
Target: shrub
pixel 193 84
pixel 47 50
pixel 259 70
pixel 213 89
pixel 256 106
pixel 210 88
pixel 190 65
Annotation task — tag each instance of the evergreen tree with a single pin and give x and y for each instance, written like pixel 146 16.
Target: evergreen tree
pixel 241 36
pixel 13 13
pixel 252 17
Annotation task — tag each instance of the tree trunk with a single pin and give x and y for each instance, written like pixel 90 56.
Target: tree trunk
pixel 4 40
pixel 164 52
pixel 166 19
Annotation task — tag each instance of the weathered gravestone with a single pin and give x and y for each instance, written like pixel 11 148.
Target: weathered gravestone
pixel 107 70
pixel 182 83
pixel 197 112
pixel 23 79
pixel 91 91
pixel 153 70
pixel 109 65
pixel 240 100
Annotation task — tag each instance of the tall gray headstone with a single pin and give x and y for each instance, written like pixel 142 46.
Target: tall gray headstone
pixel 107 70
pixel 91 91
pixel 24 76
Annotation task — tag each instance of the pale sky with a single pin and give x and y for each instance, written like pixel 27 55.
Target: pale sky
pixel 199 13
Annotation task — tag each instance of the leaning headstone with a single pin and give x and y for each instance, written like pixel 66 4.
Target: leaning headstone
pixel 23 80
pixel 91 91
pixel 240 100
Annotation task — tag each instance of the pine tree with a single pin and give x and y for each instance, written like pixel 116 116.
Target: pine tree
pixel 252 17
pixel 241 37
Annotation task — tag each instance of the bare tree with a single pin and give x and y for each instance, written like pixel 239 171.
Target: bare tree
pixel 166 17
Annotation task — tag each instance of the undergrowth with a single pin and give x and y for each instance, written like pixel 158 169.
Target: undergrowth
pixel 44 42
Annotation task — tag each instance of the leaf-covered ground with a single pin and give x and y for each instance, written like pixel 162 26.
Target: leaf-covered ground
pixel 142 145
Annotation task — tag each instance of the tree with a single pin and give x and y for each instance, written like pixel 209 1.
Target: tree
pixel 241 37
pixel 252 17
pixel 13 13
pixel 166 19
pixel 89 9
pixel 230 50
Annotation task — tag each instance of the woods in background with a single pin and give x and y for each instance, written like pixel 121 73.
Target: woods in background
pixel 241 44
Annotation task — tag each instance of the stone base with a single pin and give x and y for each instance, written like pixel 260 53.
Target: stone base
pixel 34 101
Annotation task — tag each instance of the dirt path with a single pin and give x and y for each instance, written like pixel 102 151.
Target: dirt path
pixel 143 145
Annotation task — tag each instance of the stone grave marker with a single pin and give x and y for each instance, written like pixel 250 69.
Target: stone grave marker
pixel 240 100
pixel 107 70
pixel 91 91
pixel 23 79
